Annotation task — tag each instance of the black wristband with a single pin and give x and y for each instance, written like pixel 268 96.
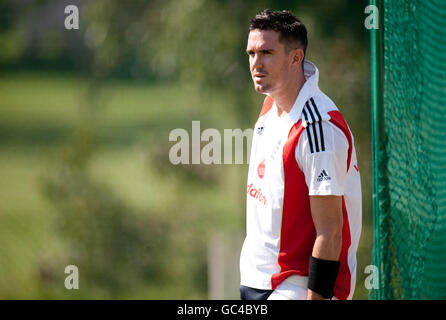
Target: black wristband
pixel 322 277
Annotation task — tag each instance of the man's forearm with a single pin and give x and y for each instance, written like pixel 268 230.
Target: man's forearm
pixel 328 247
pixel 327 216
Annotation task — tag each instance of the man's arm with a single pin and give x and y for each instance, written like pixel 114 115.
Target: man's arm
pixel 328 221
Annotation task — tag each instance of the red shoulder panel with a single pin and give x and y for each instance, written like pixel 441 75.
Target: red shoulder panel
pixel 267 105
pixel 338 120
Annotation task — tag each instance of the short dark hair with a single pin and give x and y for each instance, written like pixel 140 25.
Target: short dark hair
pixel 289 27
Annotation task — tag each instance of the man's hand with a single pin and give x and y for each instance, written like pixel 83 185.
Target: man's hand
pixel 311 295
pixel 328 221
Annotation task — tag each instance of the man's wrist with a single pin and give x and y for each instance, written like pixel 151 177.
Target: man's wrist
pixel 322 276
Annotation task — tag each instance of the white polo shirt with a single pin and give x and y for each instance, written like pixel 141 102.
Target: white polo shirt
pixel 322 154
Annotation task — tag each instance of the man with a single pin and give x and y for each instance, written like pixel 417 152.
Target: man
pixel 304 191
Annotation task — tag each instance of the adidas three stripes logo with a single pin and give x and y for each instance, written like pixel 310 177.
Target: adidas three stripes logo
pixel 315 134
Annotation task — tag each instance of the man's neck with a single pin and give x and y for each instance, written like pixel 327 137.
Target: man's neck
pixel 285 99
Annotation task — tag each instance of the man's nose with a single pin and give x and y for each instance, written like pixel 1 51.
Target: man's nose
pixel 256 62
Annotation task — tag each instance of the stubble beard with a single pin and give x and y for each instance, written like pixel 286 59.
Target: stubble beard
pixel 262 88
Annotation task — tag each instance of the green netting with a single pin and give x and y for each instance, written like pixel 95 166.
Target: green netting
pixel 410 156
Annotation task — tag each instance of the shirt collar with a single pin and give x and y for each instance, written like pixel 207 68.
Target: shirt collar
pixel 307 91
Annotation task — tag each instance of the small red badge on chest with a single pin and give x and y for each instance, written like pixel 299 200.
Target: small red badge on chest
pixel 261 169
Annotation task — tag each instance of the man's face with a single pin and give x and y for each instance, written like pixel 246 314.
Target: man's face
pixel 268 61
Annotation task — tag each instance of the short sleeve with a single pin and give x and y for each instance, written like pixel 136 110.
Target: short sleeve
pixel 322 153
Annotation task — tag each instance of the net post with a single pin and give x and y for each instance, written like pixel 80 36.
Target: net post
pixel 376 65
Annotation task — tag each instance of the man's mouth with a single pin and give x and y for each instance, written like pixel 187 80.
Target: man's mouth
pixel 258 76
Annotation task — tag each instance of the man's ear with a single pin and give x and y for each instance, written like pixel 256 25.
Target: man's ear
pixel 298 56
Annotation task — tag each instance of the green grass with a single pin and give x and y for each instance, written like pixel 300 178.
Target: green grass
pixel 24 221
